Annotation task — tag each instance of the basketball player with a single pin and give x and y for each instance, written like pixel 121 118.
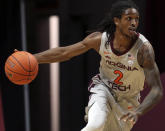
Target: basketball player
pixel 127 60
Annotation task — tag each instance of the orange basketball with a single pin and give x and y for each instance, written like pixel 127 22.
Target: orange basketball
pixel 21 67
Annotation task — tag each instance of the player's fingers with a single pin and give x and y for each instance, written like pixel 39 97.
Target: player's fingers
pixel 128 118
pixel 15 50
pixel 124 117
pixel 131 118
pixel 133 121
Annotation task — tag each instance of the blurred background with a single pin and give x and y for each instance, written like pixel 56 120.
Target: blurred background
pixel 57 102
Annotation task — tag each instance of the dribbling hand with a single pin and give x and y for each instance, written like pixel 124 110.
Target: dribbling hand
pixel 131 117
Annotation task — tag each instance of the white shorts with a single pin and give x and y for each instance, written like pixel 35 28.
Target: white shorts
pixel 103 112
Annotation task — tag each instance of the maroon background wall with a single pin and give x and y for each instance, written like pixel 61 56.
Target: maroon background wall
pixel 154 119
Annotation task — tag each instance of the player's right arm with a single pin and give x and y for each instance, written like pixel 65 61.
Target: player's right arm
pixel 60 54
pixel 146 59
pixel 152 75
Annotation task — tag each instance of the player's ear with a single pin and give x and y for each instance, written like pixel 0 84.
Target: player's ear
pixel 116 21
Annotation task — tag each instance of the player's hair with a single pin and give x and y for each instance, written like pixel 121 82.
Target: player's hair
pixel 117 9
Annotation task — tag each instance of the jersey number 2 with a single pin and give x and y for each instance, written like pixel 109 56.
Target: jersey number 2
pixel 119 77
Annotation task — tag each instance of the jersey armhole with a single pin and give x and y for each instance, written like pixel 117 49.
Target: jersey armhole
pixel 103 40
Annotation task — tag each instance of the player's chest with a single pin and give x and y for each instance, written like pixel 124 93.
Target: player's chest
pixel 126 62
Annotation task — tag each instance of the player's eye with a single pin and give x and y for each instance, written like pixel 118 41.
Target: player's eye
pixel 128 18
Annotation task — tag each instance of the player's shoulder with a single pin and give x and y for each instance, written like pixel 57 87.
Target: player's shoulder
pixel 145 44
pixel 94 35
pixel 142 38
pixel 146 51
pixel 93 40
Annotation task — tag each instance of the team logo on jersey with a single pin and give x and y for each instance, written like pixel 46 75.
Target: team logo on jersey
pixel 120 65
pixel 131 59
pixel 130 62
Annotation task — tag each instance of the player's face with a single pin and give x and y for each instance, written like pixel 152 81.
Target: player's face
pixel 128 22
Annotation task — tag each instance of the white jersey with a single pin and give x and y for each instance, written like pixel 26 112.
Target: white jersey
pixel 121 73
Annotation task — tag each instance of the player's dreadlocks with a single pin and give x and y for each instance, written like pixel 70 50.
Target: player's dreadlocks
pixel 117 9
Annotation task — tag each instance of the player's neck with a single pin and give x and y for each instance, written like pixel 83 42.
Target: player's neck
pixel 121 41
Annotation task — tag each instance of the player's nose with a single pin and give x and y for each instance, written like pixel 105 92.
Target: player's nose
pixel 133 23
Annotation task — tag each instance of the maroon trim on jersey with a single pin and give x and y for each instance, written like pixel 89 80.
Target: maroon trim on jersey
pixel 119 53
pixel 92 84
pixel 98 76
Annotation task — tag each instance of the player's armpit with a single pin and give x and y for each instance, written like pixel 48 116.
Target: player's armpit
pixel 152 76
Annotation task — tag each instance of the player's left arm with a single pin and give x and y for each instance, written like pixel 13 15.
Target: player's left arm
pixel 146 59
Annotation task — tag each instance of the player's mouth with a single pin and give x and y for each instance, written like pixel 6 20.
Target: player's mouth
pixel 132 30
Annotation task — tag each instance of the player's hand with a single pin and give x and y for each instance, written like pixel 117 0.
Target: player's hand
pixel 131 117
pixel 15 50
